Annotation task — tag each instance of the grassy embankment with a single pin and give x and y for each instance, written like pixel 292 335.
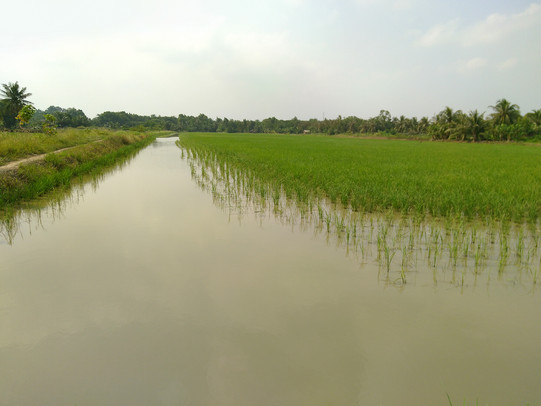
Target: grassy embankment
pixel 92 149
pixel 18 145
pixel 497 181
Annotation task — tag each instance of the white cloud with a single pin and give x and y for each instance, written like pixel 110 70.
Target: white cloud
pixel 472 65
pixel 261 50
pixel 403 4
pixel 390 4
pixel 174 43
pixel 494 28
pixel 508 64
pixel 295 3
pixel 498 26
pixel 367 2
pixel 439 34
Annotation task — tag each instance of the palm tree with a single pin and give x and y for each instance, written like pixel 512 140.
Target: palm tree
pixel 448 122
pixel 447 115
pixel 535 116
pixel 423 124
pixel 474 124
pixel 14 99
pixel 505 112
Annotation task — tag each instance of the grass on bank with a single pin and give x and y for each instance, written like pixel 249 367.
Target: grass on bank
pixel 18 145
pixel 499 181
pixel 57 169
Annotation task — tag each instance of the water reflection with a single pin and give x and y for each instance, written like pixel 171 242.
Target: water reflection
pixel 144 294
pixel 408 249
pixel 23 219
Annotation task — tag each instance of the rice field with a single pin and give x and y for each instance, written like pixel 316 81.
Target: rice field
pixel 427 178
pixel 468 213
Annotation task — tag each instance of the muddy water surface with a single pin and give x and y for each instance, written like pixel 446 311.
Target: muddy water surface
pixel 143 292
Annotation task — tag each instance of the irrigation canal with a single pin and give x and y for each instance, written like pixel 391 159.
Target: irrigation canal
pixel 139 290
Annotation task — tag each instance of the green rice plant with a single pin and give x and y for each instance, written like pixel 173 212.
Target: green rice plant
pixel 519 251
pixel 403 276
pixel 465 248
pixel 453 247
pixel 434 178
pixel 456 235
pixel 404 264
pixel 451 403
pixel 478 257
pixel 328 219
pixel 388 256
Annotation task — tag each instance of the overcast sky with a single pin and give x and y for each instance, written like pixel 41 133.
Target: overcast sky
pixel 256 59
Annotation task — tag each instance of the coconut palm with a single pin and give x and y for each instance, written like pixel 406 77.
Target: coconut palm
pixel 447 123
pixel 447 115
pixel 505 112
pixel 14 99
pixel 534 116
pixel 423 125
pixel 474 125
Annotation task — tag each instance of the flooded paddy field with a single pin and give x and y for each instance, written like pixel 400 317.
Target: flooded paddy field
pixel 451 250
pixel 170 281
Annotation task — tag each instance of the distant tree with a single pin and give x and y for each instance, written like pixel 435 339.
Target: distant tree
pixel 350 125
pixel 446 125
pixel 384 121
pixel 270 125
pixel 423 125
pixel 25 115
pixel 204 123
pixel 14 99
pixel 474 125
pixel 447 116
pixel 534 116
pixel 70 117
pixel 49 125
pixel 53 109
pixel 313 125
pixel 233 126
pixel 37 119
pixel 120 119
pixel 400 124
pixel 200 123
pixel 505 112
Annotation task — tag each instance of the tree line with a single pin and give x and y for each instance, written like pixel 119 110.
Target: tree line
pixel 504 122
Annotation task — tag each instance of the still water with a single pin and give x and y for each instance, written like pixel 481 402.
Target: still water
pixel 139 290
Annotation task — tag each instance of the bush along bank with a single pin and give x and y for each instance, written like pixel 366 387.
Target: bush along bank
pixel 33 180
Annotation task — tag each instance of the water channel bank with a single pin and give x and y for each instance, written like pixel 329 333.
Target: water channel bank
pixel 36 175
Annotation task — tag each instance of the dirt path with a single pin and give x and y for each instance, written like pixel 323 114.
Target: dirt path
pixel 14 165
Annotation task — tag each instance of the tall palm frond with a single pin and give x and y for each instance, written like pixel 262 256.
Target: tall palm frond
pixel 535 116
pixel 14 99
pixel 474 124
pixel 505 112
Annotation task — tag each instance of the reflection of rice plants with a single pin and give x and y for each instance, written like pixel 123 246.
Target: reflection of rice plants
pixel 388 256
pixel 468 247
